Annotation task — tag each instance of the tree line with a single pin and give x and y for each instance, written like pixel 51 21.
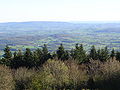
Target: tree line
pixel 39 56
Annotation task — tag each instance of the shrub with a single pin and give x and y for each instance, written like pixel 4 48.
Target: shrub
pixel 110 75
pixel 94 73
pixel 61 75
pixel 105 75
pixel 6 79
pixel 77 75
pixel 54 74
pixel 23 78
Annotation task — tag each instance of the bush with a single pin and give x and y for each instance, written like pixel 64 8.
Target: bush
pixel 61 75
pixel 110 77
pixel 54 74
pixel 77 75
pixel 105 75
pixel 6 79
pixel 23 78
pixel 94 73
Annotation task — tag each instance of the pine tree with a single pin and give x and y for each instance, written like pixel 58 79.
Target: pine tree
pixel 75 52
pixel 18 60
pixel 112 55
pixel 7 53
pixel 37 56
pixel 93 53
pixel 72 54
pixel 106 54
pixel 98 54
pixel 54 55
pixel 45 54
pixel 60 52
pixel 44 49
pixel 7 56
pixel 118 56
pixel 80 54
pixel 28 58
pixel 66 55
pixel 15 54
pixel 39 53
pixel 103 54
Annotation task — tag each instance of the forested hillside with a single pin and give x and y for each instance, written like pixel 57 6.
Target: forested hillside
pixel 75 69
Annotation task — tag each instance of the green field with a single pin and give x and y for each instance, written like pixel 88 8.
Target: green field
pixel 34 34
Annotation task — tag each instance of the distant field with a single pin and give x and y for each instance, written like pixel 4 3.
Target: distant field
pixel 34 34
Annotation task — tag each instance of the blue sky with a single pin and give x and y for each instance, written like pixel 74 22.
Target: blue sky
pixel 59 10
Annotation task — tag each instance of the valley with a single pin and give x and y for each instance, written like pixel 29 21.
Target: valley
pixel 33 35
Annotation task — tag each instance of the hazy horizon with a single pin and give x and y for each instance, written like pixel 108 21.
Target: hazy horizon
pixel 59 10
pixel 111 21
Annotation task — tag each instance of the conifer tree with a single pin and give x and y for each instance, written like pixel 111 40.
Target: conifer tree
pixel 45 54
pixel 7 56
pixel 28 58
pixel 18 60
pixel 54 55
pixel 118 56
pixel 44 49
pixel 15 54
pixel 103 54
pixel 98 54
pixel 112 55
pixel 106 54
pixel 93 53
pixel 80 54
pixel 72 54
pixel 37 55
pixel 60 52
pixel 75 53
pixel 7 53
pixel 65 56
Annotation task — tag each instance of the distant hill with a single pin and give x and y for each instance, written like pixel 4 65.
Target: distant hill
pixel 36 33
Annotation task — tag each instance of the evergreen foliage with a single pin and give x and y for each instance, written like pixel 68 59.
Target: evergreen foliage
pixel 93 53
pixel 7 53
pixel 118 55
pixel 28 58
pixel 103 54
pixel 39 56
pixel 45 54
pixel 79 54
pixel 112 55
pixel 61 52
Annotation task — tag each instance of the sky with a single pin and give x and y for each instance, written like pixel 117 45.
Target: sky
pixel 59 10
